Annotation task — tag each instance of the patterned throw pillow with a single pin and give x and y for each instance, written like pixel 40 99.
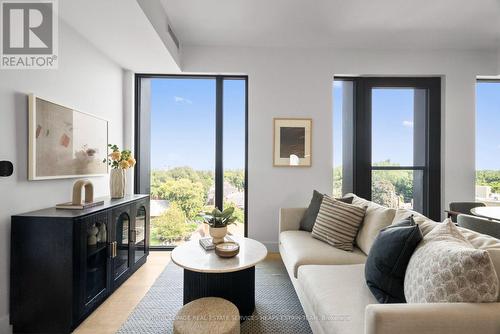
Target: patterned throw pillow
pixel 447 268
pixel 337 223
pixel 309 218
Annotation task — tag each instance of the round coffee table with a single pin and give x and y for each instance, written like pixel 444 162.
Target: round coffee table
pixel 208 275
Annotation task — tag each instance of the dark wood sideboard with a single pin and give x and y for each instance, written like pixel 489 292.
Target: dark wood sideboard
pixel 56 278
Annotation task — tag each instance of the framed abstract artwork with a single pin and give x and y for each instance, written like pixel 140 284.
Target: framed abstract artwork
pixel 64 142
pixel 292 142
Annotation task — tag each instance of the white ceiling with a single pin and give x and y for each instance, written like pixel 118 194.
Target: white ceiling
pixel 407 24
pixel 121 30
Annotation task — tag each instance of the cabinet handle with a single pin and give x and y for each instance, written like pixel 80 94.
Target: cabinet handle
pixel 115 244
pixel 113 249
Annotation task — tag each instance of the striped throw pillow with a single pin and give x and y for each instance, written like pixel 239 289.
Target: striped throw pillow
pixel 337 223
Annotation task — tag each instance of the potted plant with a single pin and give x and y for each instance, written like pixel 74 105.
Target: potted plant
pixel 119 162
pixel 217 221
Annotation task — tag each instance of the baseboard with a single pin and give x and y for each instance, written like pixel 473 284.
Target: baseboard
pixel 272 246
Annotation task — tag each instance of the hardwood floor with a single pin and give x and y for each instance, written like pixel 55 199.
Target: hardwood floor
pixel 108 317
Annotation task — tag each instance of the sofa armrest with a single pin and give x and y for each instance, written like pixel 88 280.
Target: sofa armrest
pixel 289 218
pixel 438 318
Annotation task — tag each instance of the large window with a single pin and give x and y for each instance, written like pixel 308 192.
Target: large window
pixel 488 141
pixel 191 143
pixel 386 141
pixel 343 112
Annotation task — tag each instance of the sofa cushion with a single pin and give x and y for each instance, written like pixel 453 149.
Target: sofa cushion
pixel 389 256
pixel 478 240
pixel 447 268
pixel 426 224
pixel 376 218
pixel 309 218
pixel 337 295
pixel 338 222
pixel 301 248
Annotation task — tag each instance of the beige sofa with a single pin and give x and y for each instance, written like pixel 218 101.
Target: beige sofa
pixel 331 284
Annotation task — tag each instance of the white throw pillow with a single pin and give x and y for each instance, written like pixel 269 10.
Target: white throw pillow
pixel 426 225
pixel 376 218
pixel 447 268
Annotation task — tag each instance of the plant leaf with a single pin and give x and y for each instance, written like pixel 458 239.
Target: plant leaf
pixel 228 212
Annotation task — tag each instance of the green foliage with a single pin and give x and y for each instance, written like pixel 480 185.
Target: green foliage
pixel 384 193
pixel 186 194
pixel 159 177
pixel 171 226
pixel 402 180
pixel 489 178
pixel 186 190
pixel 236 178
pixel 217 218
pixel 238 213
pixel 392 184
pixel 337 182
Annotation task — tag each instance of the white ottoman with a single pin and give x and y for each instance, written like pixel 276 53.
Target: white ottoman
pixel 210 315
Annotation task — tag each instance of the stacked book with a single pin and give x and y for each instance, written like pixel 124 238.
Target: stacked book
pixel 207 243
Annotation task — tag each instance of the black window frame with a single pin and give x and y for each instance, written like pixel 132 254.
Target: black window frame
pixel 143 174
pixel 361 136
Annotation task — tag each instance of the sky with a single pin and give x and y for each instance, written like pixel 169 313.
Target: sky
pixel 392 125
pixel 183 123
pixel 488 125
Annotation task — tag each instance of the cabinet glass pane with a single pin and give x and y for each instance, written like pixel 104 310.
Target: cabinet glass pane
pixel 96 275
pixel 122 245
pixel 140 233
pixel 96 259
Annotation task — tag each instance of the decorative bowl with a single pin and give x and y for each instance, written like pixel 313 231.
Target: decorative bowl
pixel 227 249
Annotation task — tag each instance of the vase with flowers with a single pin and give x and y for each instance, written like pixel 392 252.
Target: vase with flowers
pixel 119 161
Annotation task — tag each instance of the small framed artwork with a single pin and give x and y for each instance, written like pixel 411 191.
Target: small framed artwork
pixel 64 142
pixel 292 142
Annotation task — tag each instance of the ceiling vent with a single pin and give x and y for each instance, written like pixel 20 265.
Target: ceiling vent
pixel 172 35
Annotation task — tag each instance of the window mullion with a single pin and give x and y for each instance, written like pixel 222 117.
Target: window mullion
pixel 219 123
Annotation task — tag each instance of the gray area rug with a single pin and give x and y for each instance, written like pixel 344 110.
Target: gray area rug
pixel 277 308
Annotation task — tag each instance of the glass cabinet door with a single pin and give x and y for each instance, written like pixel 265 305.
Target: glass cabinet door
pixel 140 233
pixel 96 241
pixel 121 262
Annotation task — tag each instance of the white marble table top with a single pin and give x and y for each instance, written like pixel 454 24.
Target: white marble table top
pixel 192 256
pixel 490 212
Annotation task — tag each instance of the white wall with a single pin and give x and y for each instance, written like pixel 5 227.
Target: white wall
pixel 86 80
pixel 297 82
pixel 498 63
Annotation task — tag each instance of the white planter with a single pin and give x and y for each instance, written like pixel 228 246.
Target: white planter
pixel 117 182
pixel 218 234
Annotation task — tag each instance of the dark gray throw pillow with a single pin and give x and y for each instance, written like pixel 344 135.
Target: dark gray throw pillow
pixel 309 218
pixel 388 258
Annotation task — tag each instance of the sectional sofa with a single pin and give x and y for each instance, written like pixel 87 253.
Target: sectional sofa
pixel 330 282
